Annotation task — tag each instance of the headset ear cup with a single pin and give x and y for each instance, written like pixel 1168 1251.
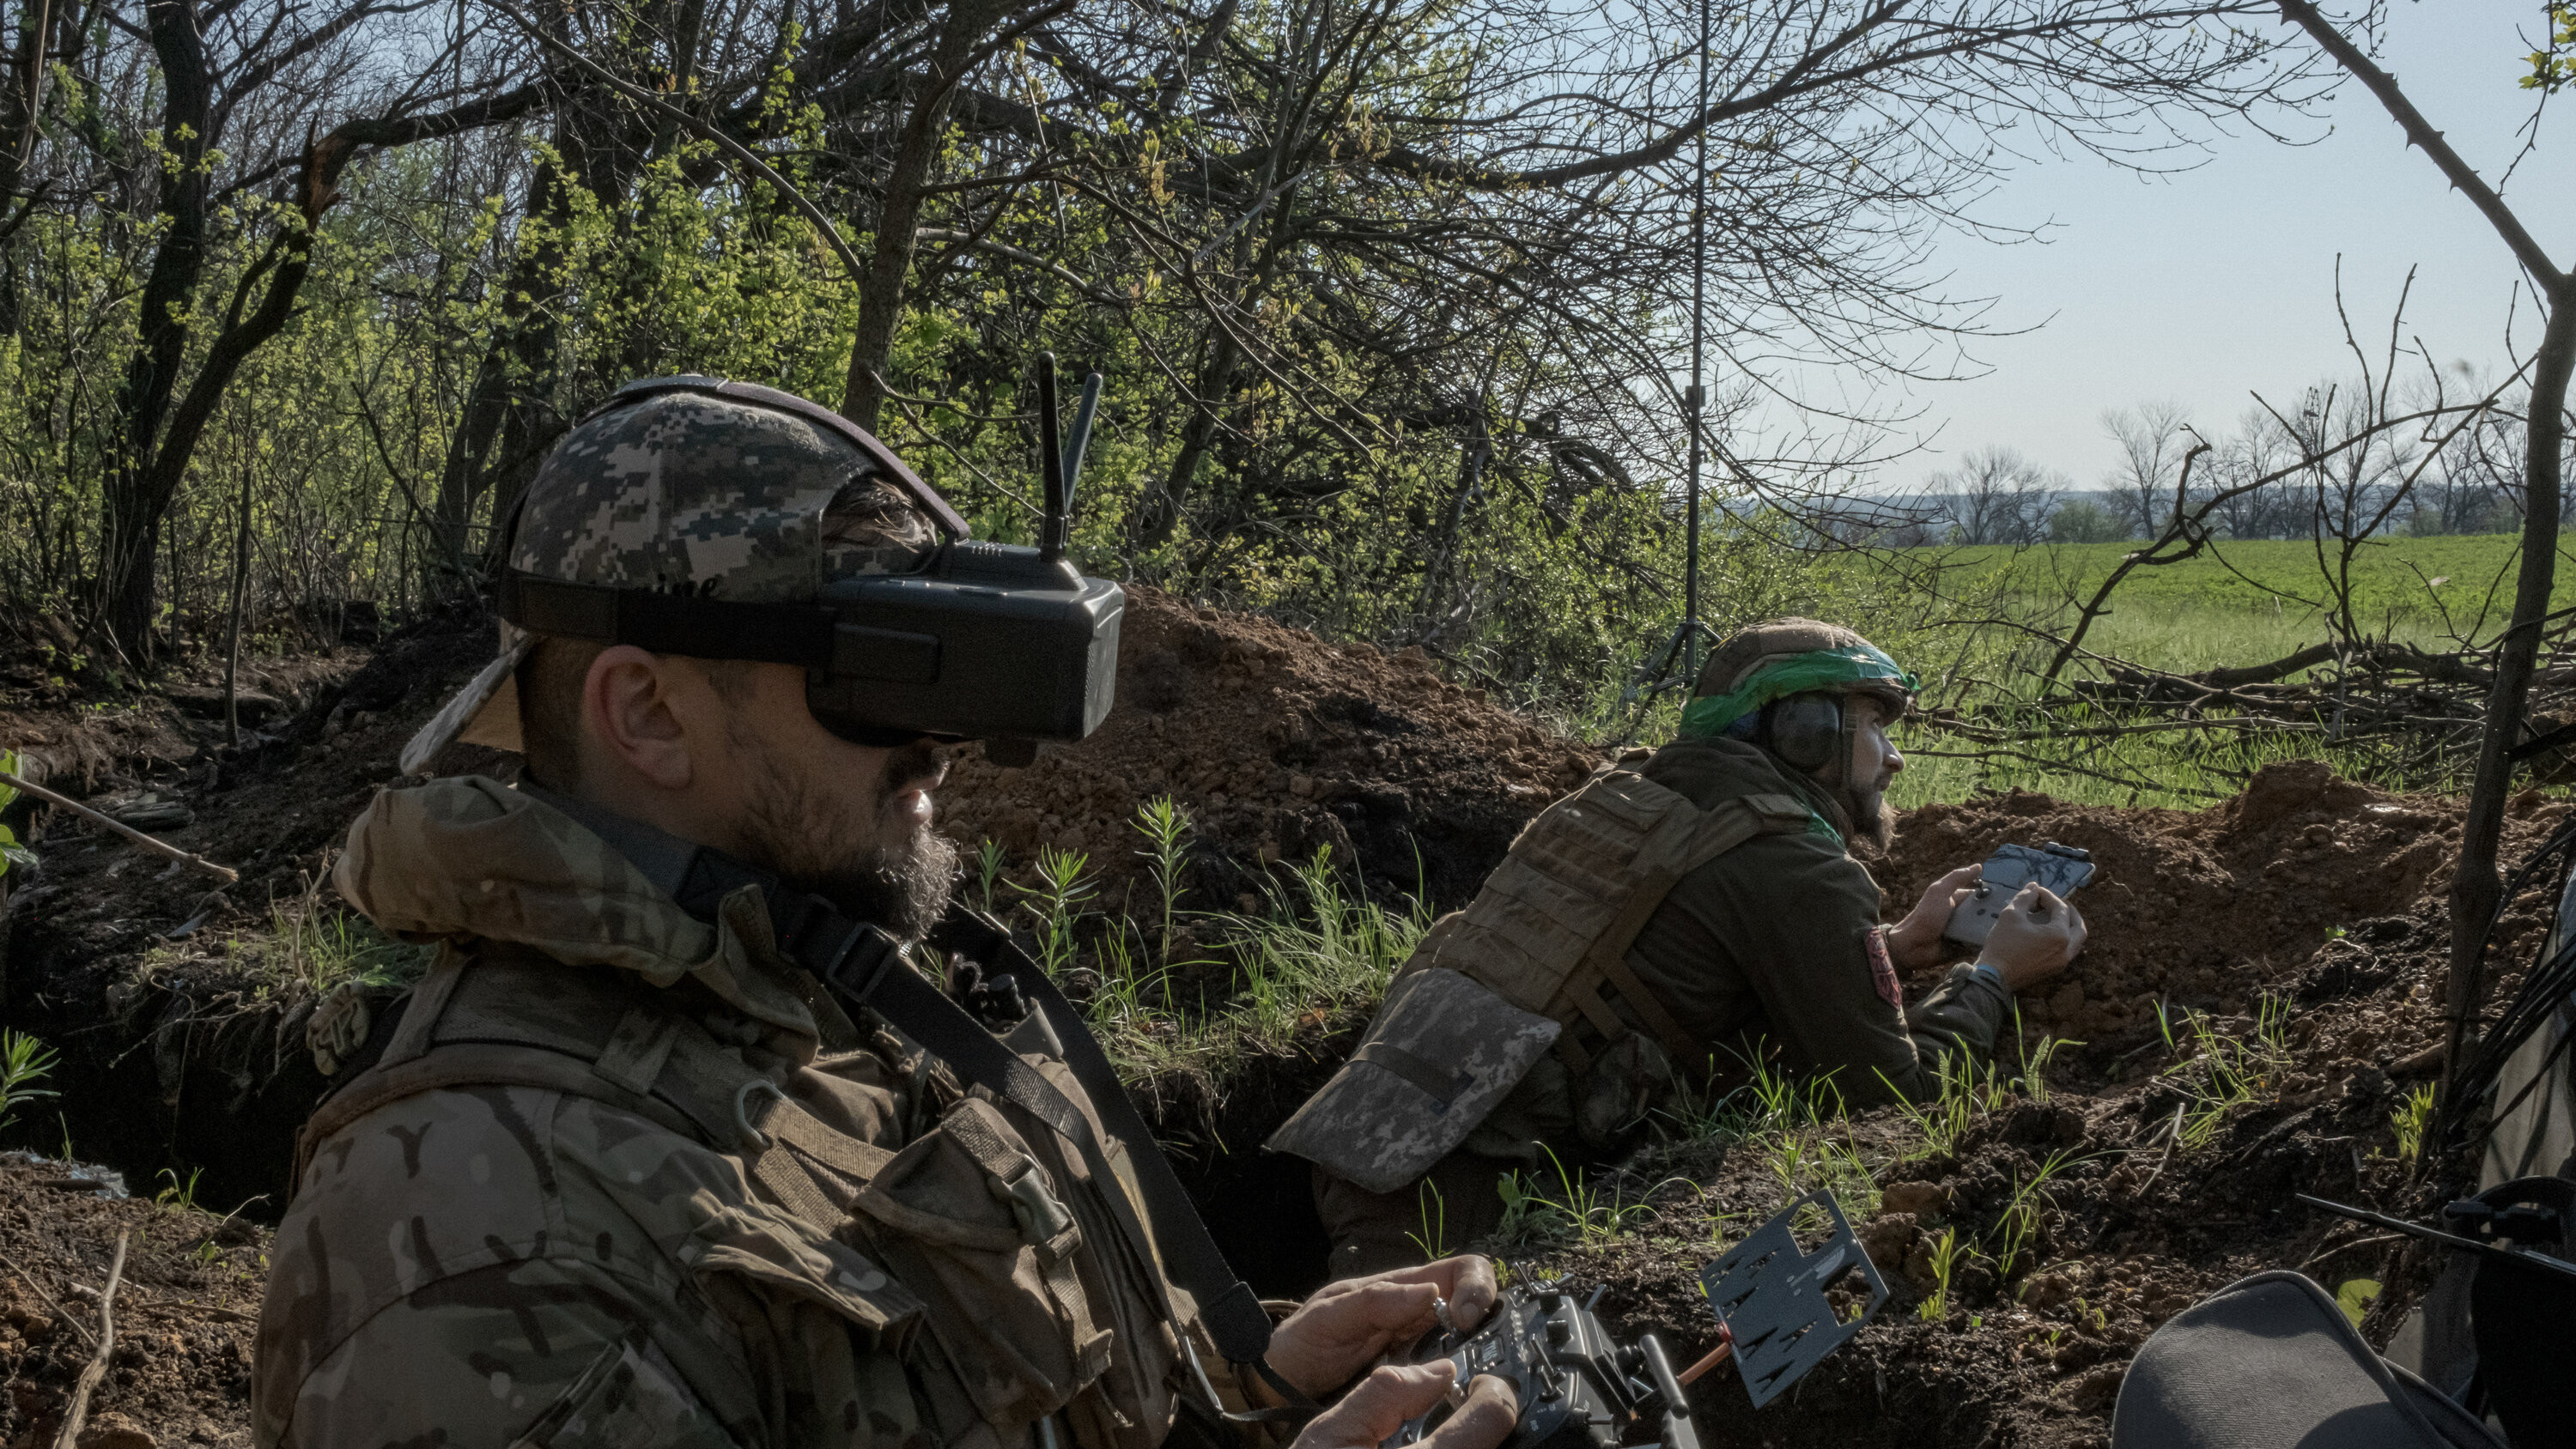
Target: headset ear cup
pixel 1804 729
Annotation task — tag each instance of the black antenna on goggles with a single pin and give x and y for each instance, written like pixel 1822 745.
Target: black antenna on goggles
pixel 1060 460
pixel 1051 531
pixel 1075 445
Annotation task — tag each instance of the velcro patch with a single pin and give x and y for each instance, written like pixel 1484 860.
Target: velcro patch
pixel 1882 971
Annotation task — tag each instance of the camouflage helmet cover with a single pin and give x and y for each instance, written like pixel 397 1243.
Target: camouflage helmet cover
pixel 751 496
pixel 1780 657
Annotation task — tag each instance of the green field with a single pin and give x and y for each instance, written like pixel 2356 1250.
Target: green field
pixel 2243 604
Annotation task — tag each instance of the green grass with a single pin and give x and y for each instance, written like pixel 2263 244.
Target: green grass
pixel 24 1062
pixel 2278 583
pixel 1312 948
pixel 2239 604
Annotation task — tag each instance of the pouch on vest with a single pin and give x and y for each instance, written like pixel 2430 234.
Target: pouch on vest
pixel 1441 1053
pixel 970 1222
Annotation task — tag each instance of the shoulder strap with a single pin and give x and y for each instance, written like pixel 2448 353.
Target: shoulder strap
pixel 1717 830
pixel 865 968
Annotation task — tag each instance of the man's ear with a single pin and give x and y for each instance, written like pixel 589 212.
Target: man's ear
pixel 628 719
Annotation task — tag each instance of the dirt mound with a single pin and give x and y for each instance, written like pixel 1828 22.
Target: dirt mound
pixel 178 1053
pixel 1278 743
pixel 184 1312
pixel 2210 909
pixel 2143 1181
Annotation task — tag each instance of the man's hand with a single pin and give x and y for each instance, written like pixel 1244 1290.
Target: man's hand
pixel 1379 1405
pixel 1334 1334
pixel 2034 938
pixel 1915 942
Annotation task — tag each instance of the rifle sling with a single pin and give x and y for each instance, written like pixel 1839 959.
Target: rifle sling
pixel 864 966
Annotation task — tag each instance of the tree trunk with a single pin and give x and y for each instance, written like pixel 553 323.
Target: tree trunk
pixel 881 295
pixel 2476 886
pixel 1163 513
pixel 132 525
pixel 507 420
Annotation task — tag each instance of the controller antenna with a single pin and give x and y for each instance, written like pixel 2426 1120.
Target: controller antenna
pixel 1052 530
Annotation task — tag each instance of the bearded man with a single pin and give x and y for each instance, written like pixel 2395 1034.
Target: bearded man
pixel 1689 914
pixel 660 1152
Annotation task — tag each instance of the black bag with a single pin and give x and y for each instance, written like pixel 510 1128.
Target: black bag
pixel 2269 1362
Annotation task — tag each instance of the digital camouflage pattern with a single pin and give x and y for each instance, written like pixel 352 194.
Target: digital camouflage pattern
pixel 717 497
pixel 1439 1054
pixel 556 1212
pixel 685 492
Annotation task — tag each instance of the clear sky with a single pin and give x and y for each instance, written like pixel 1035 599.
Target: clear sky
pixel 2204 287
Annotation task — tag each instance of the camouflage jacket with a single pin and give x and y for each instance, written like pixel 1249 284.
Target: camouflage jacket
pixel 1778 942
pixel 621 1177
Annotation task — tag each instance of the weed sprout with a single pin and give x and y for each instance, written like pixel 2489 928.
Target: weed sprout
pixel 1433 1241
pixel 177 1196
pixel 1592 1215
pixel 1166 830
pixel 24 1061
pixel 2021 1216
pixel 988 871
pixel 1056 901
pixel 2410 1120
pixel 2222 1073
pixel 1946 1252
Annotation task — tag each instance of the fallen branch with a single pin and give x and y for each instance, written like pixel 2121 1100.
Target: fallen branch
pixel 157 847
pixel 76 1417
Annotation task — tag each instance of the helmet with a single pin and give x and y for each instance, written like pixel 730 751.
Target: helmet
pixel 723 520
pixel 1778 660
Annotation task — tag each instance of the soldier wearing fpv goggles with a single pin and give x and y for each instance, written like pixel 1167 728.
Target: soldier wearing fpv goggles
pixel 686 1139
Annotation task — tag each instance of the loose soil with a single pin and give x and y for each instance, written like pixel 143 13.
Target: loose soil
pixel 179 1369
pixel 179 1057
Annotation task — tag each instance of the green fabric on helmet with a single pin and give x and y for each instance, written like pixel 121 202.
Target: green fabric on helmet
pixel 1826 670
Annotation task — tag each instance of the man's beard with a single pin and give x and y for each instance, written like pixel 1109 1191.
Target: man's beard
pixel 900 881
pixel 1871 819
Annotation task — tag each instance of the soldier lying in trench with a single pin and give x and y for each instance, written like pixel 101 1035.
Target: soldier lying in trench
pixel 1688 910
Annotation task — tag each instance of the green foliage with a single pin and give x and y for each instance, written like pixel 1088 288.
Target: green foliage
pixel 1571 1208
pixel 989 862
pixel 310 947
pixel 1166 829
pixel 2554 67
pixel 2355 1296
pixel 2410 1121
pixel 12 852
pixel 2022 1212
pixel 2081 520
pixel 1947 1249
pixel 24 1062
pixel 1314 945
pixel 1055 903
pixel 2220 1073
pixel 177 1195
pixel 1313 948
pixel 1433 1241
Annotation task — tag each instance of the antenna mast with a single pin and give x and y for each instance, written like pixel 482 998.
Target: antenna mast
pixel 1694 398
